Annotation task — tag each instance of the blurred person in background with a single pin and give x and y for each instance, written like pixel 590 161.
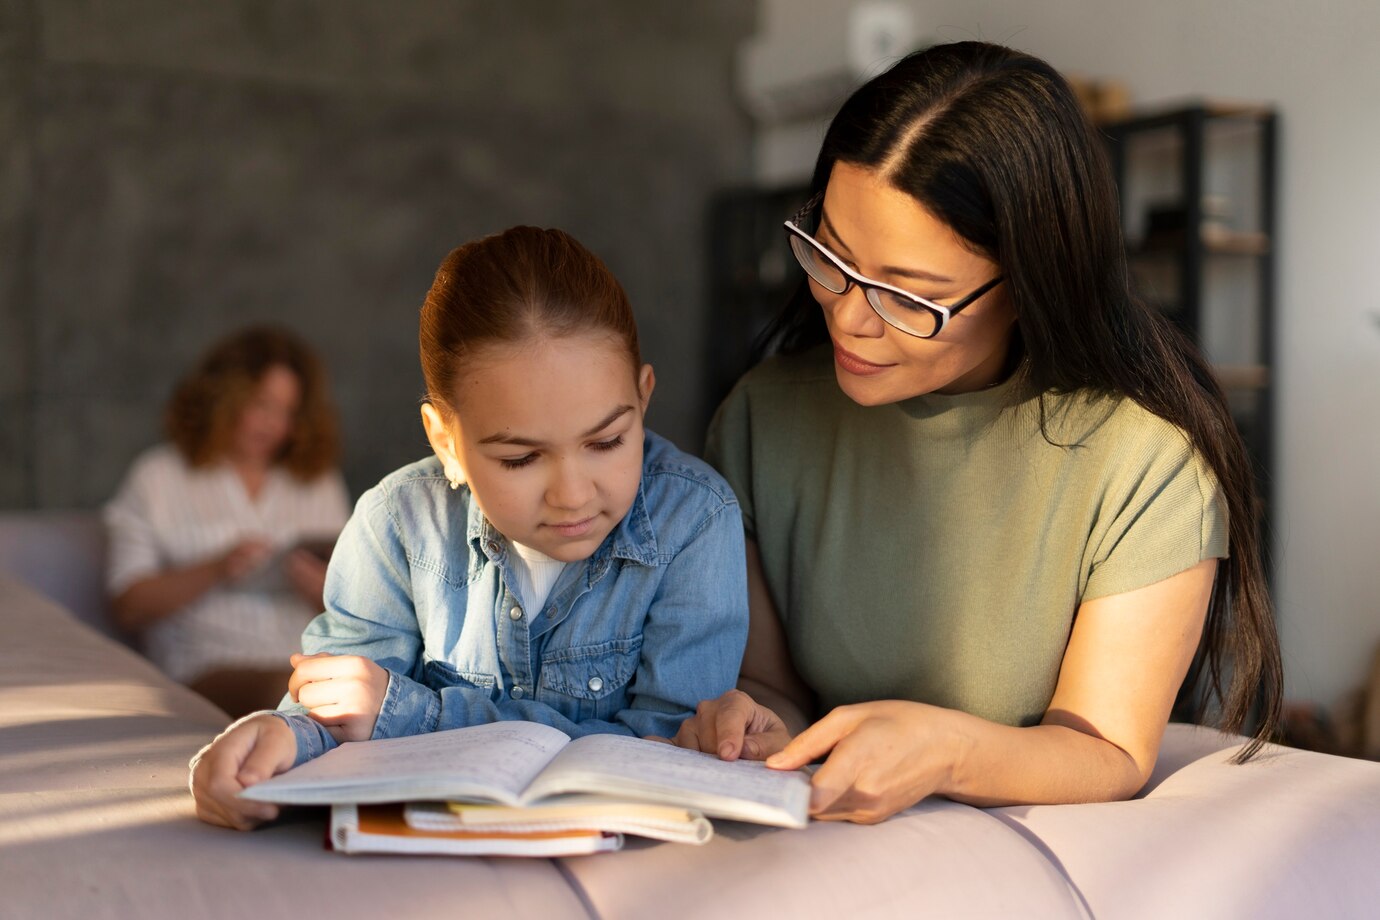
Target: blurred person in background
pixel 218 538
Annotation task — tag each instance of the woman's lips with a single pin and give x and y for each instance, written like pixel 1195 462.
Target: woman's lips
pixel 573 528
pixel 855 365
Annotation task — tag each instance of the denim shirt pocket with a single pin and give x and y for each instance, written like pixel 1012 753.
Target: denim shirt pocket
pixel 438 675
pixel 589 681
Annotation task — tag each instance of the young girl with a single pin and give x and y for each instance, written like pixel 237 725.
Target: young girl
pixel 554 561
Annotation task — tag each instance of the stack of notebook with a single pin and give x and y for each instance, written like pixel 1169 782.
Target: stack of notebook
pixel 526 789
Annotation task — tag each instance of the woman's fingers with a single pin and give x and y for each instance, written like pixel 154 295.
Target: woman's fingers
pixel 829 787
pixel 814 742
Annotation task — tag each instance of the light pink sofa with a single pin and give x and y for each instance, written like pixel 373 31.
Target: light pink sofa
pixel 95 821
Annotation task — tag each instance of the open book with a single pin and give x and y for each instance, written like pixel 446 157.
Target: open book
pixel 527 763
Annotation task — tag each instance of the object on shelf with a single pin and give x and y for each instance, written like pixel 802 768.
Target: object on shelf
pixel 1102 99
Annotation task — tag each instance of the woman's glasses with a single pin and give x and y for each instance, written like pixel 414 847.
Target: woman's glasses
pixel 903 310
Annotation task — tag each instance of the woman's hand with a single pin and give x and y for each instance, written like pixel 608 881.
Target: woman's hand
pixel 733 726
pixel 247 753
pixel 882 757
pixel 307 573
pixel 243 559
pixel 342 692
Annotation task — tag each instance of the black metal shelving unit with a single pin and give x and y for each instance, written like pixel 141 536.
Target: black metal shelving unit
pixel 1198 203
pixel 1197 185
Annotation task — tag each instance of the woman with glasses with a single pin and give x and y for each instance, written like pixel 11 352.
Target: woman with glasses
pixel 994 502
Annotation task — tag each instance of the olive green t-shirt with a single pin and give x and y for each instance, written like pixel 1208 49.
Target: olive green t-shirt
pixel 937 549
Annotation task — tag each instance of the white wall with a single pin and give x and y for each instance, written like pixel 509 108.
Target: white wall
pixel 1317 62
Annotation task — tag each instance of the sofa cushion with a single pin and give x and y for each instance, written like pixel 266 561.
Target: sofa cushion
pixel 62 555
pixel 96 820
pixel 1289 834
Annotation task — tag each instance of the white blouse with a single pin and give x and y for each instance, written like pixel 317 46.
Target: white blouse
pixel 169 515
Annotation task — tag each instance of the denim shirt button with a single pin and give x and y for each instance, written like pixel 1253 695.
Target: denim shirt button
pixel 515 613
pixel 519 693
pixel 596 684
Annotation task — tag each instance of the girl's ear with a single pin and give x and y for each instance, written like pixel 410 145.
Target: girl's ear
pixel 646 382
pixel 443 444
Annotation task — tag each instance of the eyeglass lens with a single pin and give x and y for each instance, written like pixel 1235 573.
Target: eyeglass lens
pixel 900 312
pixel 824 272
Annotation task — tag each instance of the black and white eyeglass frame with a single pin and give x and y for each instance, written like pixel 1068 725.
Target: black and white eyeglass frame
pixel 872 289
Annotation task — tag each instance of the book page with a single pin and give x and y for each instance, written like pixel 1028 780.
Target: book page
pixel 635 768
pixel 493 762
pixel 657 822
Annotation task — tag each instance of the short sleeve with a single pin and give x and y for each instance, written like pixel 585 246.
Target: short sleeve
pixel 728 448
pixel 1169 515
pixel 132 546
pixel 334 500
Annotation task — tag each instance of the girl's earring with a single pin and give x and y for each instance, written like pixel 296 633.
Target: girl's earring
pixel 454 484
pixel 455 478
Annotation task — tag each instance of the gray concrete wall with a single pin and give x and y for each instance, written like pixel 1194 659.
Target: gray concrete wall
pixel 173 171
pixel 17 89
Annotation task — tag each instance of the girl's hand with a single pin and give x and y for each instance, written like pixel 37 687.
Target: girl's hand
pixel 307 573
pixel 884 756
pixel 247 753
pixel 342 692
pixel 732 726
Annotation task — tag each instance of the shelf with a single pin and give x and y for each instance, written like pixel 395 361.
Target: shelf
pixel 1172 115
pixel 1177 170
pixel 1242 376
pixel 1215 242
pixel 1235 243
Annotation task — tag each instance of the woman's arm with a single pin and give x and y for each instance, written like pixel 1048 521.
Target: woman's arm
pixel 1098 741
pixel 156 597
pixel 767 673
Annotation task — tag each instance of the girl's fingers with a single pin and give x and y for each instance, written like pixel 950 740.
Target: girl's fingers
pixel 730 725
pixel 687 736
pixel 319 693
pixel 331 713
pixel 270 754
pixel 308 669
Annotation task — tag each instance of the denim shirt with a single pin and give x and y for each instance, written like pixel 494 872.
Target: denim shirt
pixel 628 641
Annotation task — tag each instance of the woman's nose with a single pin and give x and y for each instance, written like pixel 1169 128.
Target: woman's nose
pixel 853 315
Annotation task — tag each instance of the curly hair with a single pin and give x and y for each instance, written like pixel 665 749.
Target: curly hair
pixel 200 417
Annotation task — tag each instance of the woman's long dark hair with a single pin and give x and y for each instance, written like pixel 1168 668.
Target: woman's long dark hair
pixel 994 143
